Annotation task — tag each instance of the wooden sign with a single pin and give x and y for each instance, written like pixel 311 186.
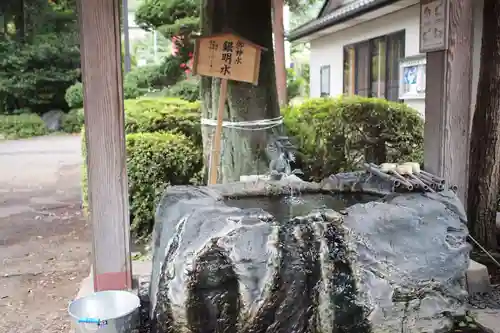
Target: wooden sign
pixel 227 56
pixel 433 25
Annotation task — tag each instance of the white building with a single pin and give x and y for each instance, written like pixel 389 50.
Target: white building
pixel 363 47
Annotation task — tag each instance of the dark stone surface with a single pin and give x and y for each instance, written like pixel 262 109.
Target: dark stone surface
pixel 52 119
pixel 320 263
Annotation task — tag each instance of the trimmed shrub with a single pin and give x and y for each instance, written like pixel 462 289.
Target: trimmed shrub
pixel 72 122
pixel 151 115
pixel 163 114
pixel 187 89
pixel 154 161
pixel 163 147
pixel 141 80
pixel 74 96
pixel 131 90
pixel 294 84
pixel 339 134
pixel 21 126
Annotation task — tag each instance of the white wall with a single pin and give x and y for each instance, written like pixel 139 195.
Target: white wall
pixel 329 50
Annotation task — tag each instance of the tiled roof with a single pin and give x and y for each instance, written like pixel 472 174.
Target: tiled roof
pixel 339 15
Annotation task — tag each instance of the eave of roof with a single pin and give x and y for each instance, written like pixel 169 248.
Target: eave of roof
pixel 337 16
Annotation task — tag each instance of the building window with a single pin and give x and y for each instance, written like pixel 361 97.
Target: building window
pixel 325 81
pixel 349 63
pixel 371 68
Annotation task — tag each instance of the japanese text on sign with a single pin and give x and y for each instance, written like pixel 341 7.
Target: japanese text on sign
pixel 228 49
pixel 227 56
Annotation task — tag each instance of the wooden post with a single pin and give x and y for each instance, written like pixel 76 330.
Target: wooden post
pixel 105 138
pixel 448 100
pixel 279 51
pixel 216 142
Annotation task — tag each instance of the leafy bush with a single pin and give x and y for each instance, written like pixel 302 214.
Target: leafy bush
pixel 154 161
pixel 163 147
pixel 153 115
pixel 74 93
pixel 131 90
pixel 74 96
pixel 143 77
pixel 163 114
pixel 21 126
pixel 140 80
pixel 187 89
pixel 72 122
pixel 339 134
pixel 294 83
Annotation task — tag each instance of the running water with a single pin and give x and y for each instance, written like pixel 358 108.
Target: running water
pixel 282 154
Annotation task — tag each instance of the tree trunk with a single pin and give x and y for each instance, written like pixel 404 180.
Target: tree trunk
pixel 484 176
pixel 242 152
pixel 279 42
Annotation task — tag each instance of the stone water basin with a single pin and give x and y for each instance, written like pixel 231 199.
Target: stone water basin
pixel 245 257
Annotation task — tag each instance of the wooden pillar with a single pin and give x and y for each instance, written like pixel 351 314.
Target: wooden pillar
pixel 100 39
pixel 279 51
pixel 448 99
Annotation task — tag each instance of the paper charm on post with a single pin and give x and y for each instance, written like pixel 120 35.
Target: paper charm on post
pixel 228 57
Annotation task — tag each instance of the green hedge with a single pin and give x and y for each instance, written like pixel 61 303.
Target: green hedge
pixel 21 126
pixel 74 93
pixel 72 122
pixel 163 114
pixel 74 96
pixel 339 134
pixel 154 161
pixel 333 135
pixel 151 115
pixel 188 89
pixel 163 145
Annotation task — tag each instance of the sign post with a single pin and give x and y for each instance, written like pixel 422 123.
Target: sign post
pixel 434 16
pixel 446 38
pixel 228 57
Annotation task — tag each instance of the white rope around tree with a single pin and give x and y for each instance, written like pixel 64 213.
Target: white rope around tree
pixel 251 125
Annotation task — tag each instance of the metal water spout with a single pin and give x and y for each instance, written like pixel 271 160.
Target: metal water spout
pixel 281 153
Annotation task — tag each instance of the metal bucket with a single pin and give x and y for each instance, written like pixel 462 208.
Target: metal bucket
pixel 111 311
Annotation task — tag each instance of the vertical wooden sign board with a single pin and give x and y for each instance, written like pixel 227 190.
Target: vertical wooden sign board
pixel 433 25
pixel 228 57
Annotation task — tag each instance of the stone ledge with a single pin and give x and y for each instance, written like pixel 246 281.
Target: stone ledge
pixel 488 318
pixel 477 277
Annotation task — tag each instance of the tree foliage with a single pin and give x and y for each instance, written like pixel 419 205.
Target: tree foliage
pixel 172 18
pixel 39 56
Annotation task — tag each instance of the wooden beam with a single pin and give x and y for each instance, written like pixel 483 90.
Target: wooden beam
pixel 279 51
pixel 448 100
pixel 100 39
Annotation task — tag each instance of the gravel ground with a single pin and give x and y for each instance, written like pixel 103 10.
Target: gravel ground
pixel 44 239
